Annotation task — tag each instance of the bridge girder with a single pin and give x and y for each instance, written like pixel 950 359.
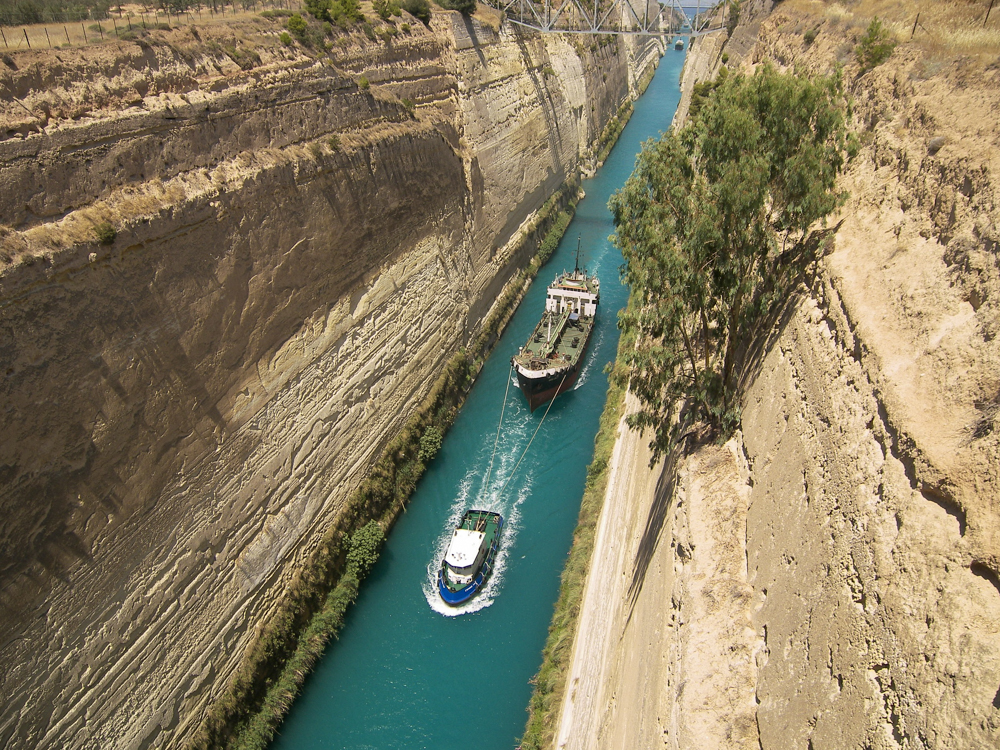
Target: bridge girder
pixel 618 17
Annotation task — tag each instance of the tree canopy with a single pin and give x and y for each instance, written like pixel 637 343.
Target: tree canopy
pixel 340 12
pixel 712 223
pixel 466 7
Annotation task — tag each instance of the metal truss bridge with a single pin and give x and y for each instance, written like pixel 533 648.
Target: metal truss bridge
pixel 634 17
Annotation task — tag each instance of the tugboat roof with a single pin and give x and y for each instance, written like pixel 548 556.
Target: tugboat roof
pixel 464 548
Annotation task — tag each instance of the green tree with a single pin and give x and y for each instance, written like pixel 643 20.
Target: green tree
pixel 297 25
pixel 385 9
pixel 340 12
pixel 465 7
pixel 713 224
pixel 875 46
pixel 419 9
pixel 365 545
pixel 430 443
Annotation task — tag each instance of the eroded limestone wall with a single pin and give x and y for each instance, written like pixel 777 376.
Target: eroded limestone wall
pixel 829 578
pixel 297 255
pixel 871 430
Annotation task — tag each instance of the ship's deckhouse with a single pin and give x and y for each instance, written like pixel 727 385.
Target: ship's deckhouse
pixel 574 292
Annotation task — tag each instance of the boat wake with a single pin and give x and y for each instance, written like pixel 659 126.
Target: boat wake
pixel 589 365
pixel 486 500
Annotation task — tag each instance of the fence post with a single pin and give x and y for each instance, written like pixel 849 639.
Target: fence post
pixel 67 34
pixel 988 13
pixel 4 38
pixel 47 38
pixel 116 25
pixel 26 37
pixel 84 30
pixel 915 22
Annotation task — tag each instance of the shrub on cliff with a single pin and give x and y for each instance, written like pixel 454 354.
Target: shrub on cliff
pixel 365 545
pixel 430 444
pixel 340 12
pixel 419 9
pixel 105 233
pixel 553 236
pixel 702 90
pixel 875 47
pixel 714 227
pixel 297 26
pixel 465 7
pixel 733 19
pixel 385 9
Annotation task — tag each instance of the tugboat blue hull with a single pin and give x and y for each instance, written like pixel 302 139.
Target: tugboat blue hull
pixel 454 598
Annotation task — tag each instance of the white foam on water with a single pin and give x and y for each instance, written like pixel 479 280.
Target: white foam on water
pixel 511 445
pixel 589 364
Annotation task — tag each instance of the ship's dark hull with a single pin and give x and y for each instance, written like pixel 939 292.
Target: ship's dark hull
pixel 539 391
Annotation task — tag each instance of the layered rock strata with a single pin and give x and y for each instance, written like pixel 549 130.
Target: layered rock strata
pixel 232 268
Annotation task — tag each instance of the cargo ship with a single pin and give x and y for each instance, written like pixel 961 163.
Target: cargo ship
pixel 470 557
pixel 551 360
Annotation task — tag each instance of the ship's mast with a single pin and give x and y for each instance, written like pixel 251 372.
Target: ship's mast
pixel 576 269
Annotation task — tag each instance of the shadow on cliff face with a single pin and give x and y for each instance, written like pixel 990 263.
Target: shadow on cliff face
pixel 788 290
pixel 544 98
pixel 30 562
pixel 655 521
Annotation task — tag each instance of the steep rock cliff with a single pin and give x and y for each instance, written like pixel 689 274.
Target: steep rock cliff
pixel 829 578
pixel 301 240
pixel 872 530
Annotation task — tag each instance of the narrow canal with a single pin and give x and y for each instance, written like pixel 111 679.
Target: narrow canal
pixel 409 672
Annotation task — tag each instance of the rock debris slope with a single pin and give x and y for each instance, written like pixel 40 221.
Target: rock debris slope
pixel 294 244
pixel 829 578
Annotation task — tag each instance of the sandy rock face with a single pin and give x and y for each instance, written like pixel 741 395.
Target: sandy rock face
pixel 294 257
pixel 832 571
pixel 878 626
pixel 880 447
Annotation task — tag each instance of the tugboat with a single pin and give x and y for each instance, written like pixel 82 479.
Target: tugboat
pixel 549 363
pixel 679 44
pixel 470 556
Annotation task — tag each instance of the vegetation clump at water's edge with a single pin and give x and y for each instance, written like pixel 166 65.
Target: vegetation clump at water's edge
pixel 550 682
pixel 287 647
pixel 609 136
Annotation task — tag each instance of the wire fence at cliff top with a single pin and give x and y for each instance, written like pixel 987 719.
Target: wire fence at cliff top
pixel 51 24
pixel 31 12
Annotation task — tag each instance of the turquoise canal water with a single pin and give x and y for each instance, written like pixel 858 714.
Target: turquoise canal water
pixel 409 672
